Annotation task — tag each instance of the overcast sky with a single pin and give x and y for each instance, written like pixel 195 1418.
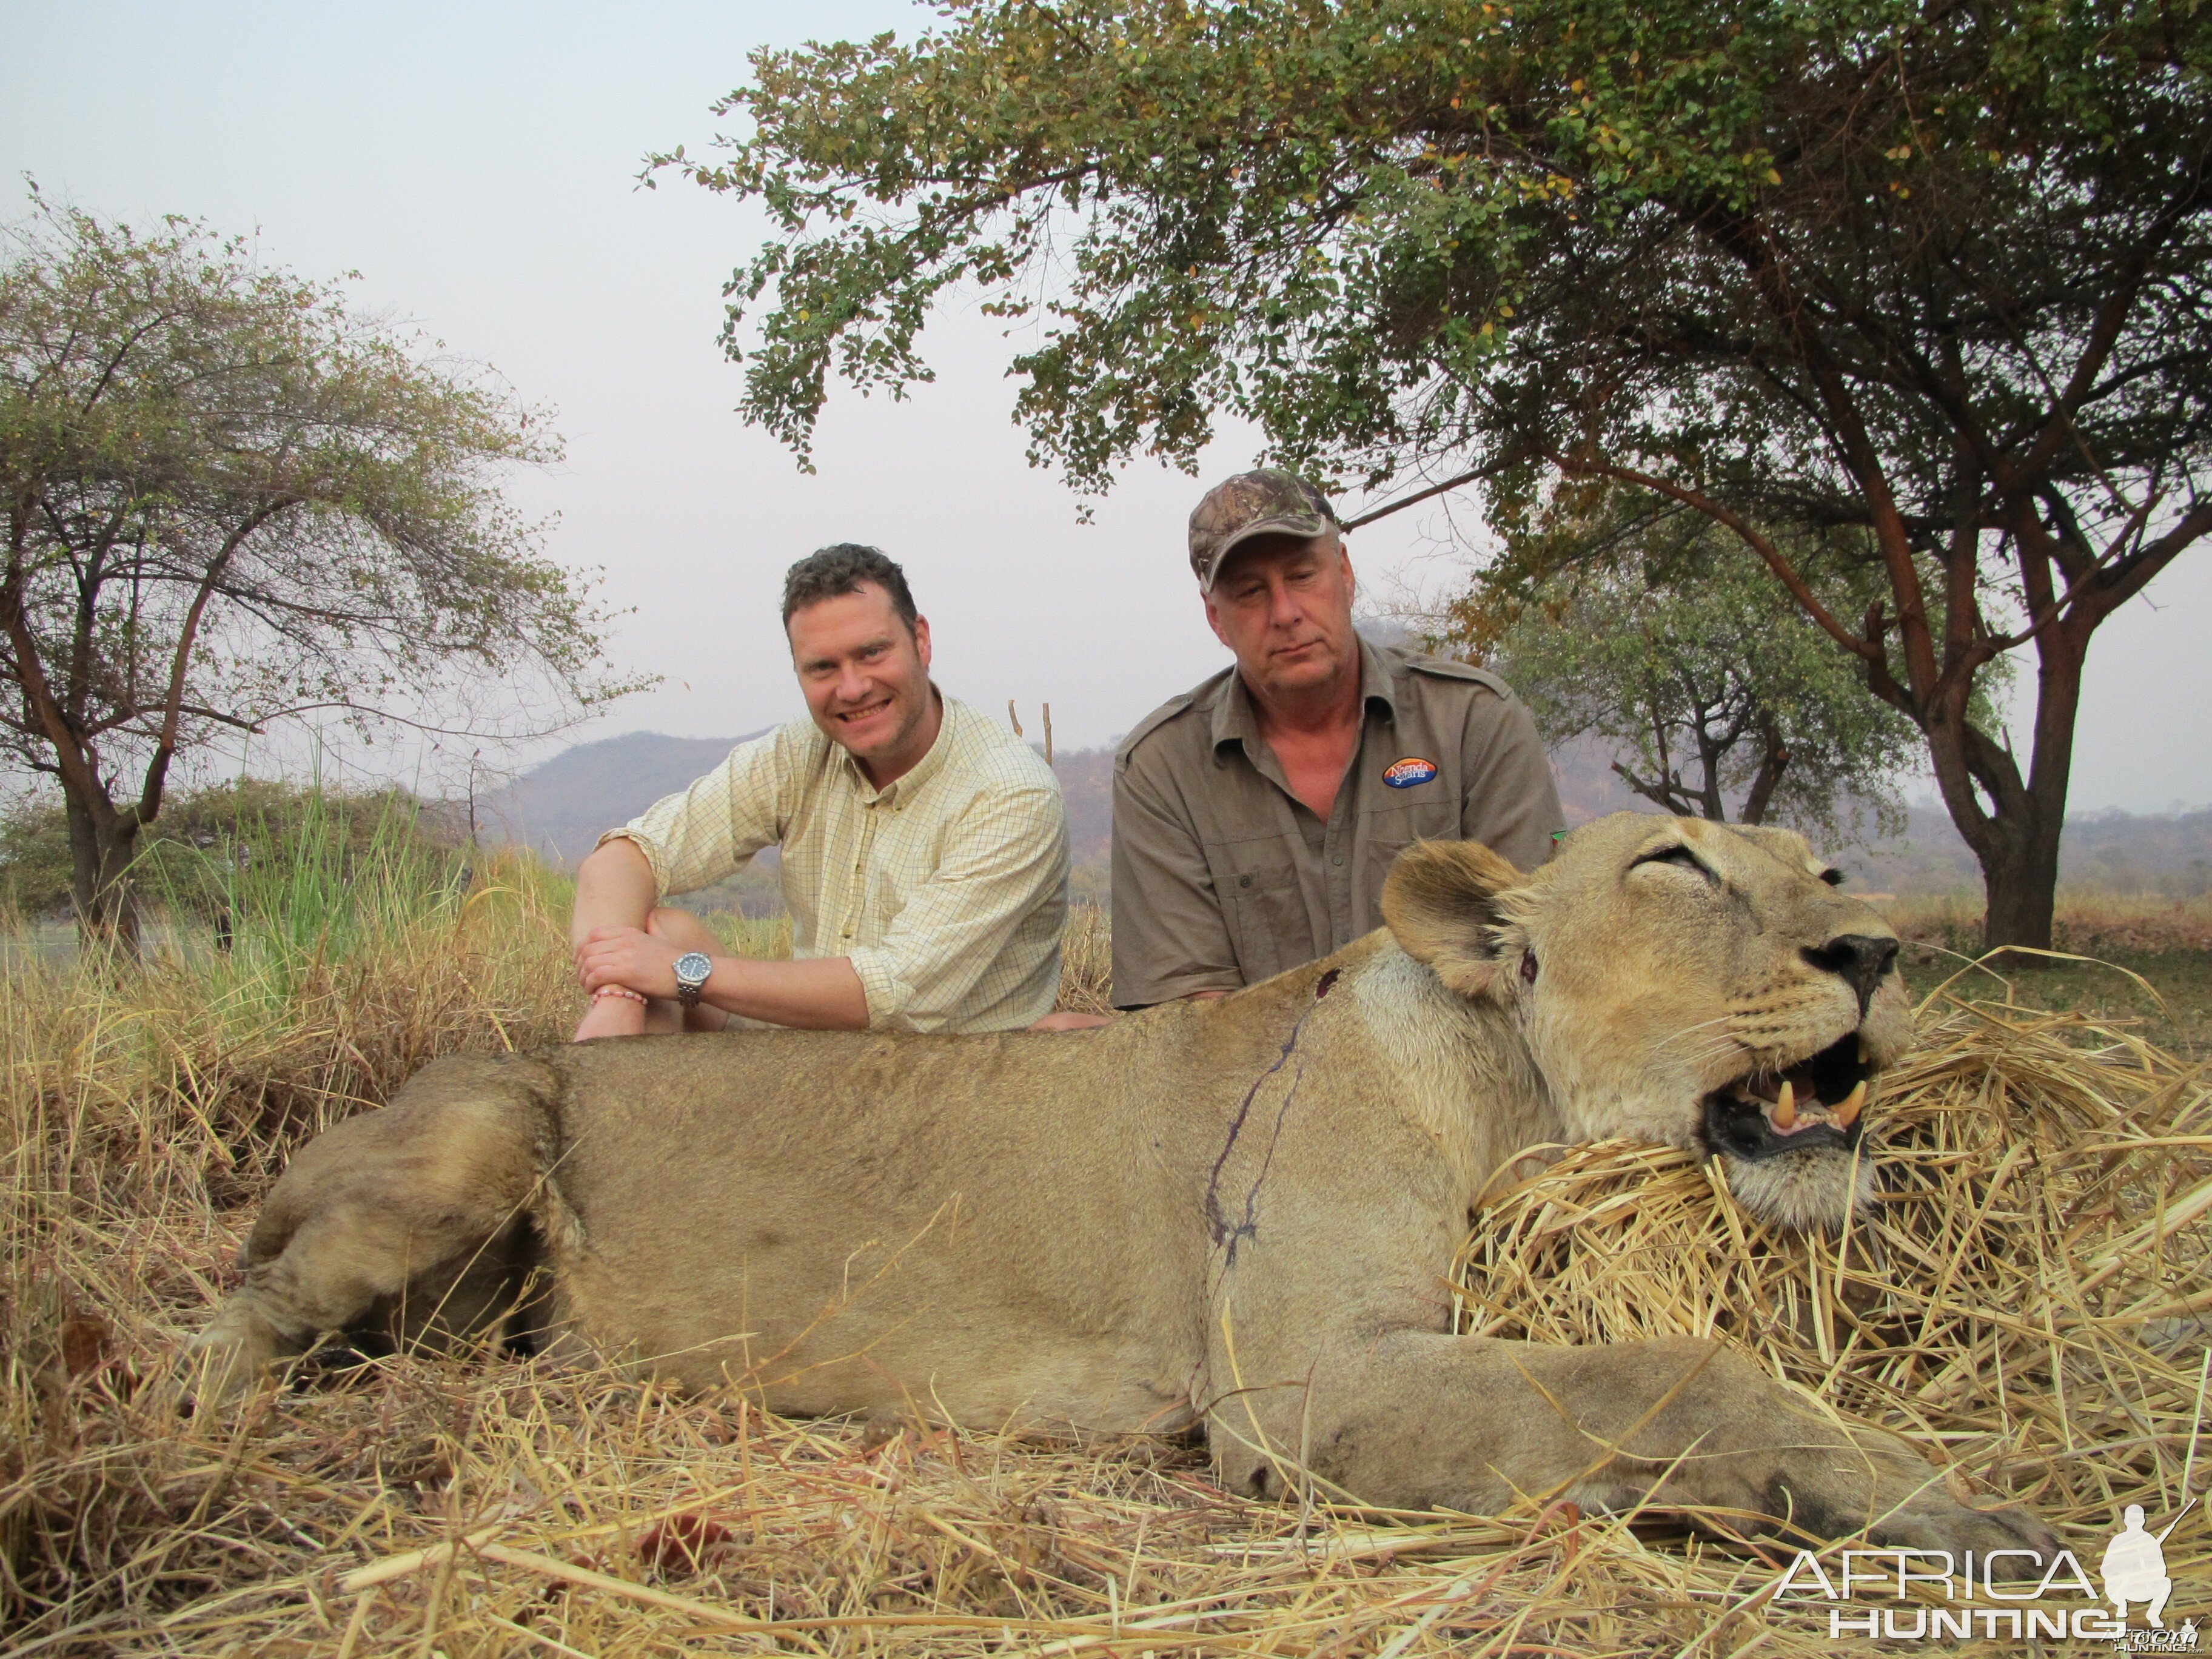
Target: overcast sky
pixel 476 165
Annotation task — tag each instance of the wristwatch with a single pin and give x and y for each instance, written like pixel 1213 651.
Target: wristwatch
pixel 692 971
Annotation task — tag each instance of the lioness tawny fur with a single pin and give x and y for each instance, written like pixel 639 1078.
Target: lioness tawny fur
pixel 1239 1213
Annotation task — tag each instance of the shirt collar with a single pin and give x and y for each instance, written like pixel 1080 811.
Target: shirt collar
pixel 1236 720
pixel 926 767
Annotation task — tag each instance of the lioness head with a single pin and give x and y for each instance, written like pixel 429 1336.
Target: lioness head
pixel 1703 985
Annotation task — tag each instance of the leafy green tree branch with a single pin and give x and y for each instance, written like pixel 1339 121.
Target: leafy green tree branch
pixel 226 498
pixel 1929 273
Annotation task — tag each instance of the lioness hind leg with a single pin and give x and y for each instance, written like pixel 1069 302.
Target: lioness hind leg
pixel 495 1288
pixel 412 1217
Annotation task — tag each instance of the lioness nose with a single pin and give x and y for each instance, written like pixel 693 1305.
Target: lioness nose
pixel 1859 958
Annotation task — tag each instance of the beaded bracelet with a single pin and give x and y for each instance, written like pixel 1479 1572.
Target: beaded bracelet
pixel 617 991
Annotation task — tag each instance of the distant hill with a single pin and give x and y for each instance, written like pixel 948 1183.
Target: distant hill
pixel 2113 851
pixel 560 808
pixel 2163 853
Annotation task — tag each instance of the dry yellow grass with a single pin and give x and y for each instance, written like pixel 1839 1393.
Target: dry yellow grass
pixel 1086 961
pixel 2032 1294
pixel 2037 1320
pixel 2087 922
pixel 2139 960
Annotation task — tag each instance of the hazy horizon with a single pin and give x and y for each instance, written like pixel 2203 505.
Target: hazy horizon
pixel 479 170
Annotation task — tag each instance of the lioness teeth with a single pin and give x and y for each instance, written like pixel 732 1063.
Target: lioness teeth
pixel 1847 1112
pixel 1785 1107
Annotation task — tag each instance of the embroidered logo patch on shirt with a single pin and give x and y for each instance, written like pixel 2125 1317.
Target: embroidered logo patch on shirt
pixel 1405 774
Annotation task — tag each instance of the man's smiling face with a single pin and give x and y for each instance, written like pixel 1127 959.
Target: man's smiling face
pixel 866 675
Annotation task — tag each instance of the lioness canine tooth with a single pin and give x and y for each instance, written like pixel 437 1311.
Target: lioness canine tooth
pixel 1785 1107
pixel 1848 1112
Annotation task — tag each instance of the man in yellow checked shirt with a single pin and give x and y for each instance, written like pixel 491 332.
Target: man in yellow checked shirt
pixel 925 848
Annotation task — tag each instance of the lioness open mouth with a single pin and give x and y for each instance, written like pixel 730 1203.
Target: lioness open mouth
pixel 1815 1103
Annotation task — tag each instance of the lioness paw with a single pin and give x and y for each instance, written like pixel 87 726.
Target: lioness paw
pixel 1944 1524
pixel 1883 1492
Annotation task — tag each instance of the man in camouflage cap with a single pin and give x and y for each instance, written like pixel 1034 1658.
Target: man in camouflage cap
pixel 1256 815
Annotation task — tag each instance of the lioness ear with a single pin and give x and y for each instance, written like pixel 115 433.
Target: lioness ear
pixel 1441 901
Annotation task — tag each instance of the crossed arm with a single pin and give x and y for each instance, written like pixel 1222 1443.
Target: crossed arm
pixel 614 945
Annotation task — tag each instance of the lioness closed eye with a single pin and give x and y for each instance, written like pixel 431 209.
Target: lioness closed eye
pixel 1239 1213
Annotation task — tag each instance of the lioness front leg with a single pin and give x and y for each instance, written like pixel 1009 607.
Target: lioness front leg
pixel 1420 1419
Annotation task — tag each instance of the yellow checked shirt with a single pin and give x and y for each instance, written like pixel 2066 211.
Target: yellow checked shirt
pixel 947 889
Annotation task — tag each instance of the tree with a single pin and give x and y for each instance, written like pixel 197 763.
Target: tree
pixel 1725 698
pixel 1644 632
pixel 1928 274
pixel 228 500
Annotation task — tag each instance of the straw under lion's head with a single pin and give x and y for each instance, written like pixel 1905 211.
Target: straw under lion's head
pixel 1701 985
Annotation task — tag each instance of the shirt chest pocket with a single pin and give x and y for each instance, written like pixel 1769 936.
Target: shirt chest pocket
pixel 891 856
pixel 1267 921
pixel 1395 822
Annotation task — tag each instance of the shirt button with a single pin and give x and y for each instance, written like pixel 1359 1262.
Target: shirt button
pixel 1339 859
pixel 1244 881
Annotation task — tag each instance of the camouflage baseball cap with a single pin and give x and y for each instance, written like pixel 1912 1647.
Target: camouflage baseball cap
pixel 1261 504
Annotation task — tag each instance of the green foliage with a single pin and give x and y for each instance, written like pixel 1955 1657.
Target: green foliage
pixel 1370 227
pixel 296 872
pixel 1932 273
pixel 34 861
pixel 228 499
pixel 256 858
pixel 1728 702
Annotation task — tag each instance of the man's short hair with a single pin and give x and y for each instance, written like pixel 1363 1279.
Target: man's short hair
pixel 833 571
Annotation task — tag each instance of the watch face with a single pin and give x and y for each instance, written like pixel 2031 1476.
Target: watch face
pixel 694 966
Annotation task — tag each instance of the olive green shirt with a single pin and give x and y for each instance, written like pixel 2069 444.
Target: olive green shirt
pixel 1223 877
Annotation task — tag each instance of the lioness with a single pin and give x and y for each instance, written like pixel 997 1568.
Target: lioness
pixel 1239 1213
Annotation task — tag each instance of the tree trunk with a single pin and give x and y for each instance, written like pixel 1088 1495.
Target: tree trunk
pixel 2021 886
pixel 102 844
pixel 1773 760
pixel 2021 879
pixel 2016 840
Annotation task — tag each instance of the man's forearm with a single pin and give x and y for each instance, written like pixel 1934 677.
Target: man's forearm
pixel 615 887
pixel 818 994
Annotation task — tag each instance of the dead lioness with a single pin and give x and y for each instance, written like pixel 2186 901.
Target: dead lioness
pixel 1240 1213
